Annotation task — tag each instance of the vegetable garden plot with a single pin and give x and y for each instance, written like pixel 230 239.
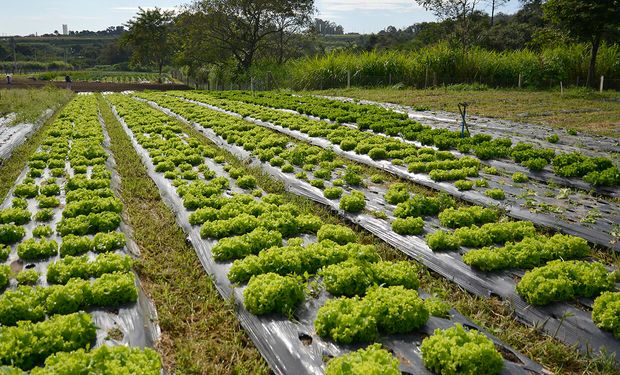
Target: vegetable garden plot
pixel 509 166
pixel 62 204
pixel 231 226
pixel 528 253
pixel 568 162
pixel 522 132
pixel 14 135
pixel 573 216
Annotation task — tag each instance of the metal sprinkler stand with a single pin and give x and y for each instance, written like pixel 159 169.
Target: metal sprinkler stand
pixel 463 111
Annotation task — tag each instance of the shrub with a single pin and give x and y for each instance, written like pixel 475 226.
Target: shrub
pixel 455 351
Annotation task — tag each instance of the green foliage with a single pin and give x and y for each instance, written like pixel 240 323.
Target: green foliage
pixel 464 184
pixel 270 292
pixel 29 344
pixel 519 177
pixel 246 182
pixel 371 360
pixel 442 241
pixel 391 310
pixel 467 216
pixel 337 233
pixel 61 271
pixel 605 312
pixel 397 193
pixel 408 226
pixel 250 243
pixel 455 351
pixel 353 203
pixel 32 249
pixel 18 216
pixel 437 307
pixel 42 231
pixel 11 233
pixel 27 277
pixel 103 360
pixel 332 192
pixel 564 280
pixel 529 253
pixel 75 245
pixel 553 138
pixel 5 275
pixel 497 194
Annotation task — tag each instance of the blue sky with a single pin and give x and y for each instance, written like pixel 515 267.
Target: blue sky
pixel 24 17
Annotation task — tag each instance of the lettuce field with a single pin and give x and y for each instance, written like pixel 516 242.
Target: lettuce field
pixel 323 235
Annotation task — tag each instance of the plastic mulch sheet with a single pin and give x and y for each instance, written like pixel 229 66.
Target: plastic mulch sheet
pixel 292 347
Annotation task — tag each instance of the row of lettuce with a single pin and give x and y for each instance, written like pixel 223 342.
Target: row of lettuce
pixel 263 235
pixel 488 242
pixel 67 193
pixel 598 171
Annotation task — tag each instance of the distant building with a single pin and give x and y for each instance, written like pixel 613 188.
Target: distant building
pixel 65 30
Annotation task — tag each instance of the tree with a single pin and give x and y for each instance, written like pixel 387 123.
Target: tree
pixel 149 35
pixel 457 10
pixel 586 20
pixel 496 4
pixel 243 27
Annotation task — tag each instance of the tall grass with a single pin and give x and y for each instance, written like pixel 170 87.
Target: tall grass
pixel 29 104
pixel 440 64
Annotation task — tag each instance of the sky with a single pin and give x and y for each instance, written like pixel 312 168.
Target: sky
pixel 23 17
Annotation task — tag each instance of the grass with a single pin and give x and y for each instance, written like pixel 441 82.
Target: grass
pixel 493 314
pixel 200 333
pixel 29 104
pixel 578 109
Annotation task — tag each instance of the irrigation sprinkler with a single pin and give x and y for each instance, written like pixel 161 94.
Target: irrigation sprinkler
pixel 463 111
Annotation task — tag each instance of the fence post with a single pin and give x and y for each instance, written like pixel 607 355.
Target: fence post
pixel 348 79
pixel 561 88
pixel 520 79
pixel 390 79
pixel 600 89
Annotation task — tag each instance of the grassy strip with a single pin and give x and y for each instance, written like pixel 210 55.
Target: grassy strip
pixel 200 333
pixel 493 314
pixel 30 103
pixel 575 109
pixel 14 165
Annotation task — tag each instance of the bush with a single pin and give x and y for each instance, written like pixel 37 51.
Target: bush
pixel 337 233
pixel 372 360
pixel 605 312
pixel 456 351
pixel 269 293
pixel 353 203
pixel 408 226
